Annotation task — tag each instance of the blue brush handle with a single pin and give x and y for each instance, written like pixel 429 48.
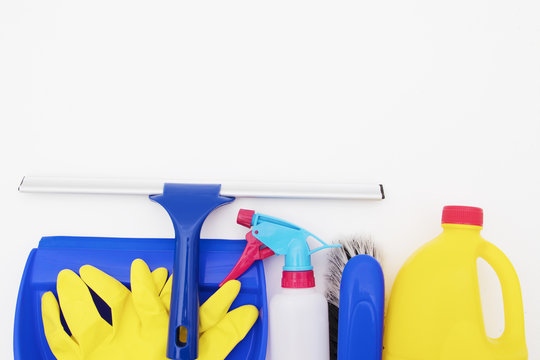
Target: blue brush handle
pixel 188 205
pixel 361 310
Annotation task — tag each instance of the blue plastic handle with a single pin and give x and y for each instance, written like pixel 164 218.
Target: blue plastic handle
pixel 361 310
pixel 188 206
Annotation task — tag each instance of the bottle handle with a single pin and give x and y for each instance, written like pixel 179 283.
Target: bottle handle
pixel 514 324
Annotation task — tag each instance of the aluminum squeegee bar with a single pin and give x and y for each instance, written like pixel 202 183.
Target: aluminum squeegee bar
pixel 37 184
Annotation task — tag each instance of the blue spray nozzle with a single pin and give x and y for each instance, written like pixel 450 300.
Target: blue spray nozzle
pixel 285 238
pixel 276 236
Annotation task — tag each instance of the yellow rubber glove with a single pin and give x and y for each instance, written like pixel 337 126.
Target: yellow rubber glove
pixel 220 330
pixel 140 317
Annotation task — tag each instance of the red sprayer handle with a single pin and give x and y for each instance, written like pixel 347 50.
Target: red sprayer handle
pixel 252 252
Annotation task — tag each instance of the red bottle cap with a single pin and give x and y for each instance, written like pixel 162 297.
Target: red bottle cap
pixel 465 215
pixel 298 279
pixel 244 217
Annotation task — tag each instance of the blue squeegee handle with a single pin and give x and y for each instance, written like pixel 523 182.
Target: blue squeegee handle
pixel 188 205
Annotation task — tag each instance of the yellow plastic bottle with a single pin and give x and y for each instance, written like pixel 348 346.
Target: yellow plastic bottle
pixel 435 312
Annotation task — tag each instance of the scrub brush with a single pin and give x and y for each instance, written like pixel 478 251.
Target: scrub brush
pixel 359 282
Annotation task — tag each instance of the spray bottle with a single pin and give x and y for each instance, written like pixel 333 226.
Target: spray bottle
pixel 298 315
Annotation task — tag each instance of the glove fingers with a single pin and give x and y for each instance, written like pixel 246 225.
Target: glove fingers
pixel 217 306
pixel 159 276
pixel 217 342
pixel 165 294
pixel 112 291
pixel 86 324
pixel 61 344
pixel 145 295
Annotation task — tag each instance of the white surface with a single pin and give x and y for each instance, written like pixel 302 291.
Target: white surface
pixel 298 325
pixel 130 186
pixel 439 101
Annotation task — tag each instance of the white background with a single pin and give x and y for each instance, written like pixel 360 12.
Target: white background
pixel 439 101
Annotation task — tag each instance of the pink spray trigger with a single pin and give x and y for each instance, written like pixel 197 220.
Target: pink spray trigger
pixel 251 253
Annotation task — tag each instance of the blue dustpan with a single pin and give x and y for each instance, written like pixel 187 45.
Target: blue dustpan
pixel 114 256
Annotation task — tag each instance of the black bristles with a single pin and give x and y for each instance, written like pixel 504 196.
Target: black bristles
pixel 333 314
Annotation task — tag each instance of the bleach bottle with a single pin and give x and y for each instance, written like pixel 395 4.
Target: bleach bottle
pixel 435 310
pixel 298 316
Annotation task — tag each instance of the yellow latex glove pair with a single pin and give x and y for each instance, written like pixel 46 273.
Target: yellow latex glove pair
pixel 140 317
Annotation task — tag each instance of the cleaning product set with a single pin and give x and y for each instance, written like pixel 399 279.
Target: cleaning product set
pixel 434 311
pixel 198 266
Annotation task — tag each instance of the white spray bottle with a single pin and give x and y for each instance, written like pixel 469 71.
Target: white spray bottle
pixel 298 316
